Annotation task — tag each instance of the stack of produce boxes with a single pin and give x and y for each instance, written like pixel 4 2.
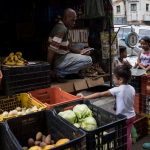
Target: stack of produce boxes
pixel 141 105
pixel 145 99
pixel 103 129
pixel 15 106
pixel 24 121
pixel 6 138
pixel 38 128
pixel 44 131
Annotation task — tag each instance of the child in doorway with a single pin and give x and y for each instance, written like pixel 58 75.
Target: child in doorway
pixel 143 60
pixel 124 94
pixel 121 60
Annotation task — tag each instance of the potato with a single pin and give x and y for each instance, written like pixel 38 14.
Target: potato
pixel 31 142
pixel 12 113
pixel 43 138
pixel 5 114
pixel 18 108
pixel 42 144
pixel 25 148
pixel 37 143
pixel 38 136
pixel 48 139
pixel 52 142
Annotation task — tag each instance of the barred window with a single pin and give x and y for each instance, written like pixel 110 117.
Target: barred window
pixel 133 7
pixel 118 8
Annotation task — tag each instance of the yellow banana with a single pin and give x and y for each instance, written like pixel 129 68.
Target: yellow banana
pixel 11 58
pixel 20 63
pixel 11 63
pixel 6 59
pixel 11 54
pixel 19 53
pixel 15 58
pixel 22 59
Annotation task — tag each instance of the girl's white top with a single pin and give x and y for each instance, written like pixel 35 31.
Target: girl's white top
pixel 124 100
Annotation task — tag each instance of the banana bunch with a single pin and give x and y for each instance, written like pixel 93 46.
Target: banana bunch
pixel 14 59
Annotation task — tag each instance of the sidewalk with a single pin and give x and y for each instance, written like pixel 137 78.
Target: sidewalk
pixel 139 143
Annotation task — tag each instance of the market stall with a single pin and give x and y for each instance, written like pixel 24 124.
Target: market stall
pixel 28 124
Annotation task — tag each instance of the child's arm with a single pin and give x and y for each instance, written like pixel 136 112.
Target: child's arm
pixel 126 62
pixel 139 61
pixel 141 66
pixel 148 68
pixel 115 63
pixel 97 94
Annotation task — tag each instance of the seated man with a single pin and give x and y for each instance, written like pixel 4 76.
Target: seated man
pixel 65 58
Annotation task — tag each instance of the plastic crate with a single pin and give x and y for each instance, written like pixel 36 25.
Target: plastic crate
pixel 137 103
pixel 26 78
pixel 110 133
pixel 53 96
pixel 144 104
pixel 8 103
pixel 136 83
pixel 6 138
pixel 140 125
pixel 145 85
pixel 46 123
pixel 148 123
pixel 1 76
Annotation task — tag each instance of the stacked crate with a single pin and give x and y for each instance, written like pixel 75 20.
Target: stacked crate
pixel 144 104
pixel 144 96
pixel 141 103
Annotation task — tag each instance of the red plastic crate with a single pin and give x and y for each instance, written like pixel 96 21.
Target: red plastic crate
pixel 136 103
pixel 53 96
pixel 144 104
pixel 145 85
pixel 140 124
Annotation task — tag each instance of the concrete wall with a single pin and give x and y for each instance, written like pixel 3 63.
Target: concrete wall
pixel 138 16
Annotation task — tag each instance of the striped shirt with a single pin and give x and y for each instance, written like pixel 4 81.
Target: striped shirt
pixel 58 39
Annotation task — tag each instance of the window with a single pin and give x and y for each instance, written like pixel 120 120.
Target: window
pixel 133 7
pixel 118 8
pixel 147 7
pixel 144 32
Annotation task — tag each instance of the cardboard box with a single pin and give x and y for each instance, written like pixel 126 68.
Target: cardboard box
pixel 95 82
pixel 79 84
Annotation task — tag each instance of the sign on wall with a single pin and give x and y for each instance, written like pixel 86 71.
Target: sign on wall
pixel 78 35
pixel 105 44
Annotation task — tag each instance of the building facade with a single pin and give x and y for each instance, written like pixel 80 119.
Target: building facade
pixel 131 12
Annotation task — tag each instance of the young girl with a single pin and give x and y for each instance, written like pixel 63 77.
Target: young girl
pixel 121 60
pixel 124 94
pixel 143 60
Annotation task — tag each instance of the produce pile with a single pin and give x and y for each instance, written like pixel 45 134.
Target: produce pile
pixel 43 142
pixel 20 111
pixel 15 59
pixel 80 116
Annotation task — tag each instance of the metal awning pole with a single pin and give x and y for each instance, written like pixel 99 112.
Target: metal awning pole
pixel 110 61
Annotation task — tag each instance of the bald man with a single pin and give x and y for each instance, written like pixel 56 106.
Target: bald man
pixel 64 58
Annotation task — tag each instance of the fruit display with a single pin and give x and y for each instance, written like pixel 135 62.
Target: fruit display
pixel 14 59
pixel 43 142
pixel 80 116
pixel 20 111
